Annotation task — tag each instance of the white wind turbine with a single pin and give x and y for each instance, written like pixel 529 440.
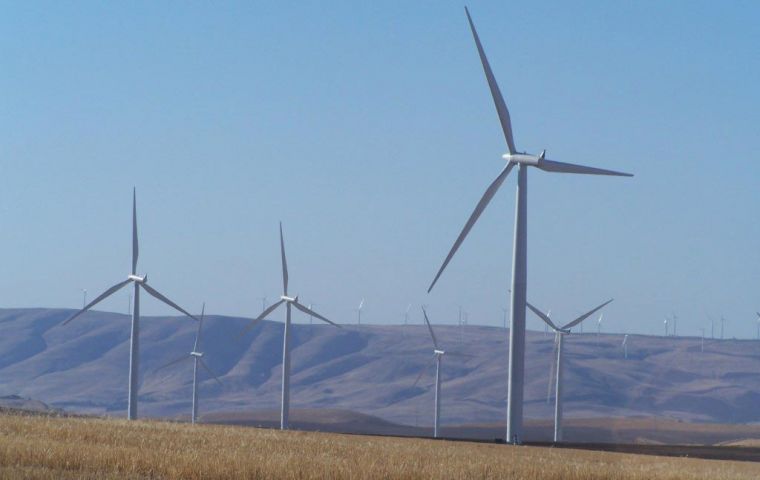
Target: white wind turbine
pixel 359 312
pixel 289 302
pixel 625 346
pixel 437 356
pixel 134 338
pixel 560 333
pixel 197 356
pixel 519 264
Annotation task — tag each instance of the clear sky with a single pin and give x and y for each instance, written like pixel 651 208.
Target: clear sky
pixel 368 129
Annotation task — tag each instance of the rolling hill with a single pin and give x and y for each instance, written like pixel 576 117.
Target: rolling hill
pixel 369 369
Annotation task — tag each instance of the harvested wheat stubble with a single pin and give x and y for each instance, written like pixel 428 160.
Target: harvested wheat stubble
pixel 54 448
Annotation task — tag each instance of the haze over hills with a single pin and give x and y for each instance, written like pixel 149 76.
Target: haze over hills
pixel 369 369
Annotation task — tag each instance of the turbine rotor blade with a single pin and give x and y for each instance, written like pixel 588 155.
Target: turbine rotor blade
pixel 135 246
pixel 543 317
pixel 311 312
pixel 173 362
pixel 197 343
pixel 248 327
pixel 562 167
pixel 498 99
pixel 284 263
pixel 482 204
pixel 203 364
pixel 422 372
pixel 261 317
pixel 586 315
pixel 157 295
pixel 430 328
pixel 102 296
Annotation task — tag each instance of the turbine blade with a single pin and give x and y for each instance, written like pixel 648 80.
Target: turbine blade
pixel 173 362
pixel 422 372
pixel 155 293
pixel 542 316
pixel 498 100
pixel 585 315
pixel 102 296
pixel 261 317
pixel 458 354
pixel 309 311
pixel 197 343
pixel 284 264
pixel 203 364
pixel 562 167
pixel 135 247
pixel 482 204
pixel 248 327
pixel 430 328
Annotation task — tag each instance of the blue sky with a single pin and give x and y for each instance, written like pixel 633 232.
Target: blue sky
pixel 369 131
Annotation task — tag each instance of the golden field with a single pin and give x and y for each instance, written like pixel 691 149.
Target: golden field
pixel 56 448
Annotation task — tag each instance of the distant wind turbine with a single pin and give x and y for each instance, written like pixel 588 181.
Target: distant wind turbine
pixel 722 325
pixel 519 264
pixel 625 346
pixel 560 333
pixel 599 325
pixel 666 326
pixel 289 302
pixel 437 356
pixel 197 356
pixel 359 312
pixel 134 337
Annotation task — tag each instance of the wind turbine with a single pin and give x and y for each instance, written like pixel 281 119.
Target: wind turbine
pixel 289 302
pixel 359 311
pixel 599 325
pixel 519 264
pixel 437 356
pixel 625 346
pixel 134 338
pixel 666 326
pixel 722 325
pixel 197 356
pixel 559 334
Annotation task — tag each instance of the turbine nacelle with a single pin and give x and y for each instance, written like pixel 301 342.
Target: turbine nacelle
pixel 137 278
pixel 525 158
pixel 196 354
pixel 288 299
pixel 438 352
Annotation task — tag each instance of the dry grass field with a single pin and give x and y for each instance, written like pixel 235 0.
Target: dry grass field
pixel 57 448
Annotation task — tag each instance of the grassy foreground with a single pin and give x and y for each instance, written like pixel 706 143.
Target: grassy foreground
pixel 58 448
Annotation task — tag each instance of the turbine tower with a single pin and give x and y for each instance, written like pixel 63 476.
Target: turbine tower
pixel 289 302
pixel 519 264
pixel 134 338
pixel 559 334
pixel 437 356
pixel 197 356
